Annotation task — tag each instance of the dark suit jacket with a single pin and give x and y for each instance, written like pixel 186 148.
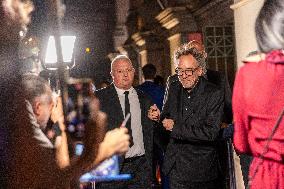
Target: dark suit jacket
pixel 110 104
pixel 221 81
pixel 156 92
pixel 192 147
pixel 212 76
pixel 216 78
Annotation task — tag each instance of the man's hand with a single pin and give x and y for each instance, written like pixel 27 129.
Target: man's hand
pixel 57 114
pixel 154 113
pixel 168 124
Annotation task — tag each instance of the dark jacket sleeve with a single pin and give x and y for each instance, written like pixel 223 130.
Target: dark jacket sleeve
pixel 161 135
pixel 204 128
pixel 228 113
pixel 170 98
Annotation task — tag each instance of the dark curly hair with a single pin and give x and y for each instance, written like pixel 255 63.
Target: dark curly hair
pixel 190 48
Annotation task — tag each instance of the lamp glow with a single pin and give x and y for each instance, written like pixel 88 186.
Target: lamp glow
pixel 67 44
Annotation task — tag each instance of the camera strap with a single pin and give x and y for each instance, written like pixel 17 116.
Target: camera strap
pixel 265 149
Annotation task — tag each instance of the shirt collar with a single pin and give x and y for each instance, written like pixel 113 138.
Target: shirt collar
pixel 198 86
pixel 150 80
pixel 121 91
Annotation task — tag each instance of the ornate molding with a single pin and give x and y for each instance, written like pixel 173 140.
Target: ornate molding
pixel 112 55
pixel 207 7
pixel 177 18
pixel 121 50
pixel 138 39
pixel 240 4
pixel 168 18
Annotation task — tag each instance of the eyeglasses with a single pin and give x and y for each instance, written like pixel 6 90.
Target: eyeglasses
pixel 124 71
pixel 187 72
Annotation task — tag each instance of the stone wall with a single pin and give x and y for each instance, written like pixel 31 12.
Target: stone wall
pixel 158 30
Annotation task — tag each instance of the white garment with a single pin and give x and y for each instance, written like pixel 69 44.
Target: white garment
pixel 138 148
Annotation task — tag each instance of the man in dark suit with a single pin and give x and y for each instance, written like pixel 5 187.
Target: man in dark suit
pixel 193 115
pixel 155 91
pixel 220 80
pixel 117 100
pixel 224 144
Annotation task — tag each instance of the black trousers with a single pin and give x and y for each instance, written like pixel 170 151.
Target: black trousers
pixel 141 176
pixel 176 183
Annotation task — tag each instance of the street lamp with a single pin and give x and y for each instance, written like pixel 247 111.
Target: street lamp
pixel 67 44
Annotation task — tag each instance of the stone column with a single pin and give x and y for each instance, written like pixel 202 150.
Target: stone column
pixel 245 13
pixel 179 22
pixel 120 33
pixel 151 51
pixel 175 41
pixel 140 47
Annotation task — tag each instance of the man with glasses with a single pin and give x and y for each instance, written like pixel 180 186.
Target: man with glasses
pixel 117 100
pixel 192 115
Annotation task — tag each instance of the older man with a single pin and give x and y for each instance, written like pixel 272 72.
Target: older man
pixel 117 100
pixel 194 112
pixel 221 81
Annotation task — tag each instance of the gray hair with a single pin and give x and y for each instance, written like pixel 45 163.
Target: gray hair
pixel 269 26
pixel 119 58
pixel 189 49
pixel 35 86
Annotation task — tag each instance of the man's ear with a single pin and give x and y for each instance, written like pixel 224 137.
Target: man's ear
pixel 37 107
pixel 199 71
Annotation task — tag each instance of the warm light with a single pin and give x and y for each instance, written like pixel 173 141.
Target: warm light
pixel 67 45
pixel 88 50
pixel 30 39
pixel 22 33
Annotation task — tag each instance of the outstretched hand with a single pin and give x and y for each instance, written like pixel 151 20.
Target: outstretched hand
pixel 101 145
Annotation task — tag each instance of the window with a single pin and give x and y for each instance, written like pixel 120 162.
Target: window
pixel 219 44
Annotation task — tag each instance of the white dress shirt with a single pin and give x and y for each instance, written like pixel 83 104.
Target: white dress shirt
pixel 138 147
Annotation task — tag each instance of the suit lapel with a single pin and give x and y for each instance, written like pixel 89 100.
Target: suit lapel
pixel 115 104
pixel 142 106
pixel 180 103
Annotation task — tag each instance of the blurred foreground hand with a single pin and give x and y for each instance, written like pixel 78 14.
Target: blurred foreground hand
pixel 101 144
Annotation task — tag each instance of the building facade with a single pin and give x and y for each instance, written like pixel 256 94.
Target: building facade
pixel 156 28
